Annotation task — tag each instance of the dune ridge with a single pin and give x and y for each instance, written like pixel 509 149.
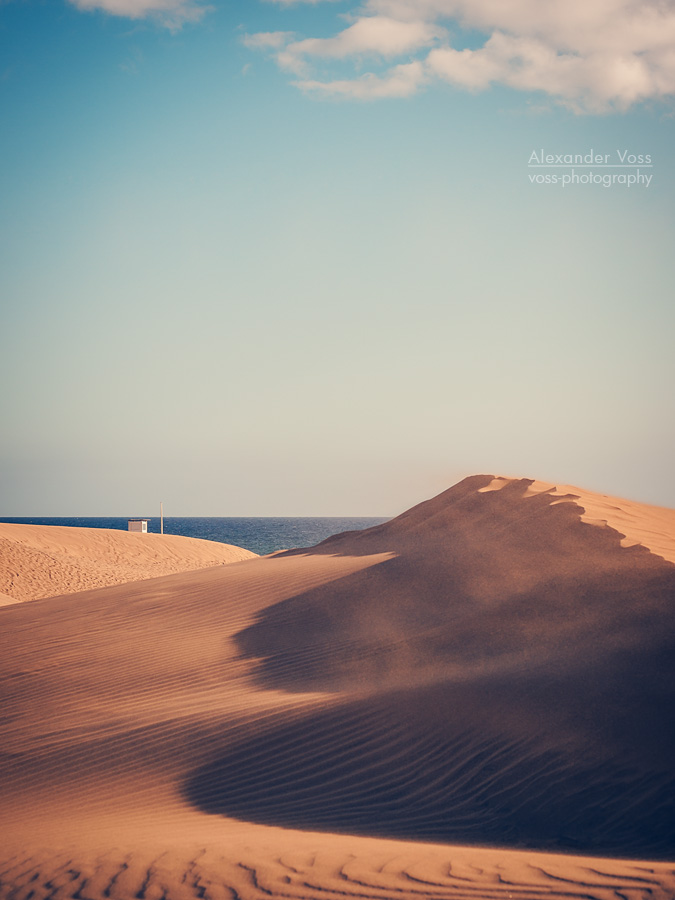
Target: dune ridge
pixel 346 720
pixel 649 526
pixel 39 561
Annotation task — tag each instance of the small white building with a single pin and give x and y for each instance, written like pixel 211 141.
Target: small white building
pixel 140 525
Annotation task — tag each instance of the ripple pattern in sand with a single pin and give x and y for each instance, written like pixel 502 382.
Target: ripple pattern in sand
pixel 208 873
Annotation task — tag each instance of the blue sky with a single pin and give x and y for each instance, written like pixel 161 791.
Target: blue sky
pixel 287 259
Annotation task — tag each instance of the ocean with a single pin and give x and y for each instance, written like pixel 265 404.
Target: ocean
pixel 261 535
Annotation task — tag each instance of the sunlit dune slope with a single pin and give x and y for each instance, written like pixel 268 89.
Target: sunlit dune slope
pixel 45 560
pixel 488 669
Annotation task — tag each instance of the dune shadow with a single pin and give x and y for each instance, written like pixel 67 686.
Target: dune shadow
pixel 446 764
pixel 401 623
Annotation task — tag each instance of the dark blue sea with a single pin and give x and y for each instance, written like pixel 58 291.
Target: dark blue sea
pixel 261 535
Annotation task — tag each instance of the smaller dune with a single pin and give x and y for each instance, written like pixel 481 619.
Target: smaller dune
pixel 39 561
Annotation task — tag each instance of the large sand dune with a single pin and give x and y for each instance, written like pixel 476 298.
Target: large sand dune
pixel 490 668
pixel 39 561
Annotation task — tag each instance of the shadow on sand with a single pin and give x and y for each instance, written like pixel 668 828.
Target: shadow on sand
pixel 506 678
pixel 449 764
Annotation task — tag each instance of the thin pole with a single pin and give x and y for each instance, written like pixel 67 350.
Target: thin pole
pixel 161 517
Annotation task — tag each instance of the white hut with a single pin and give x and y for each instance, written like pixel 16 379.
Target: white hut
pixel 140 525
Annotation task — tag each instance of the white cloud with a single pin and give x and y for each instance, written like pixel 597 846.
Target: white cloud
pixel 268 40
pixel 370 36
pixel 591 55
pixel 171 13
pixel 400 81
pixel 373 35
pixel 594 82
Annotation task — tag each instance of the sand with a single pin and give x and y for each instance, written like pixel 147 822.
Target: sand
pixel 39 561
pixel 474 700
pixel 641 524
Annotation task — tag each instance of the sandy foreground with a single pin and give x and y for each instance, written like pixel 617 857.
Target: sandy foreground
pixel 39 561
pixel 492 668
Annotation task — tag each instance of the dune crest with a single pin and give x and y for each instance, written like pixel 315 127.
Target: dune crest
pixel 39 561
pixel 652 527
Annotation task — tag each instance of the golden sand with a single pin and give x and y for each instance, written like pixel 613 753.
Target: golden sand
pixel 39 561
pixel 487 669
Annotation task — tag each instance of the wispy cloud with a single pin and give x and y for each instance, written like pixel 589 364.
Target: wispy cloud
pixel 380 37
pixel 373 36
pixel 591 55
pixel 400 81
pixel 268 40
pixel 172 14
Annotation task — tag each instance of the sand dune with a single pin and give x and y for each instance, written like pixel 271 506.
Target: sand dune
pixel 479 583
pixel 45 560
pixel 650 526
pixel 488 669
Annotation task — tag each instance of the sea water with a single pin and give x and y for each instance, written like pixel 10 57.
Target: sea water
pixel 261 535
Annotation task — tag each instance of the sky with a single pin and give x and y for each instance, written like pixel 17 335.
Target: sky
pixel 329 258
